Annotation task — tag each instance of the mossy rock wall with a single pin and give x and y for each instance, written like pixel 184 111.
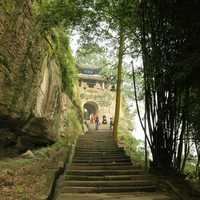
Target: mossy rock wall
pixel 32 102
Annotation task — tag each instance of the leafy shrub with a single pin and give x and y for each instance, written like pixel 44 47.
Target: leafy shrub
pixel 132 146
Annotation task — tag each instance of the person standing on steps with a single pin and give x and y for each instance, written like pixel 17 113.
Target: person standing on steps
pixel 97 122
pixel 111 123
pixel 104 121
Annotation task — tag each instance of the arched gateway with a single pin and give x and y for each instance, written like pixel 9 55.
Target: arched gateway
pixel 90 108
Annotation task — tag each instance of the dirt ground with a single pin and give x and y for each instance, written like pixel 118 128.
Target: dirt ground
pixel 29 178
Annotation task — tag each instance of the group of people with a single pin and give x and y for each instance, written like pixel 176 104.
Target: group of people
pixel 95 119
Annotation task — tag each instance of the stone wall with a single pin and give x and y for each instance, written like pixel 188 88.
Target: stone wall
pixel 32 104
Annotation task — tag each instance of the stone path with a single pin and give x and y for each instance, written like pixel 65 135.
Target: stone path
pixel 101 171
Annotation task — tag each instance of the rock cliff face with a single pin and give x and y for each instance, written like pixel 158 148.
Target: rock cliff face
pixel 32 104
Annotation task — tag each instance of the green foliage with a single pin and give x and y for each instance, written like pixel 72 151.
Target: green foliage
pixel 73 122
pixel 105 18
pixel 190 170
pixel 62 51
pixel 132 146
pixel 53 13
pixel 110 74
pixel 92 55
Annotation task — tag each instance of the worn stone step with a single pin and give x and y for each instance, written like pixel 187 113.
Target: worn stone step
pixel 107 183
pixel 97 134
pixel 98 151
pixel 105 139
pixel 105 172
pixel 108 177
pixel 102 138
pixel 70 189
pixel 100 157
pixel 108 146
pixel 108 160
pixel 95 153
pixel 89 167
pixel 99 166
pixel 93 148
pixel 104 164
pixel 97 140
pixel 103 146
pixel 97 147
pixel 114 196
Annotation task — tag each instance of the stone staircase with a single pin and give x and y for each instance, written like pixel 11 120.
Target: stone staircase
pixel 99 166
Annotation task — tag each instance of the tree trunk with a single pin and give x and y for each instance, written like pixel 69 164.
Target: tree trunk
pixel 119 82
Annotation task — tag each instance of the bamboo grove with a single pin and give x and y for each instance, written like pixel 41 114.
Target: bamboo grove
pixel 170 36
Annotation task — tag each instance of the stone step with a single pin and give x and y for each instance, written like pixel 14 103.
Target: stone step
pixel 105 139
pixel 89 167
pixel 89 141
pixel 108 177
pixel 95 153
pixel 99 166
pixel 95 145
pixel 100 147
pixel 108 160
pixel 98 151
pixel 107 183
pixel 98 154
pixel 104 164
pixel 105 172
pixel 102 137
pixel 97 140
pixel 96 135
pixel 114 196
pixel 100 157
pixel 70 189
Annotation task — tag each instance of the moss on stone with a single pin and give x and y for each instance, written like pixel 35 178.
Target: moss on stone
pixel 4 62
pixel 8 6
pixel 65 59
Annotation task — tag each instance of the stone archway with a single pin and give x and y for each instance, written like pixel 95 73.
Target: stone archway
pixel 90 108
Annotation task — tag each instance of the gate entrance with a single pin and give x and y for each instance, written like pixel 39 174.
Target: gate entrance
pixel 90 108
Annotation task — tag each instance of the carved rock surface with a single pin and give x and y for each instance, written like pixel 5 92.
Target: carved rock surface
pixel 32 104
